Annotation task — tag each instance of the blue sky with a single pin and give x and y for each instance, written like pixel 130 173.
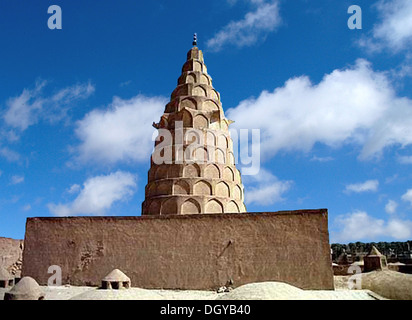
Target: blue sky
pixel 333 105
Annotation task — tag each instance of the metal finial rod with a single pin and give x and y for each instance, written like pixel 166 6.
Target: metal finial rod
pixel 195 39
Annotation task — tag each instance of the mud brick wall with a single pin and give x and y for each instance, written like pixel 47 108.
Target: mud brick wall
pixel 11 253
pixel 184 251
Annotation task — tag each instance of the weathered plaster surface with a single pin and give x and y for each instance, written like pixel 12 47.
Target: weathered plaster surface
pixel 184 251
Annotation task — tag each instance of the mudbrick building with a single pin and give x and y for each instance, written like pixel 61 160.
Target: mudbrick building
pixel 194 232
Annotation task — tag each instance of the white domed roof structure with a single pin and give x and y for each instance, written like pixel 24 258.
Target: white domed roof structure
pixel 26 289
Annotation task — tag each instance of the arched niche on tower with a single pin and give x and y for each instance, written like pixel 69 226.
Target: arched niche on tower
pixel 171 107
pixel 191 171
pixel 222 142
pixel 211 172
pixel 209 106
pixel 200 122
pixel 164 188
pixel 187 119
pixel 188 103
pixel 210 138
pixel 174 171
pixel 222 190
pixel 151 190
pixel 163 155
pixel 161 172
pixel 231 158
pixel 238 179
pixel 153 207
pixel 197 66
pixel 232 207
pixel 213 94
pixel 190 78
pixel 190 206
pixel 199 91
pixel 230 142
pixel 202 188
pixel 224 125
pixel 220 156
pixel 228 174
pixel 193 136
pixel 192 65
pixel 204 80
pixel 178 153
pixel 237 193
pixel 215 120
pixel 214 206
pixel 181 90
pixel 169 206
pixel 181 187
pixel 200 155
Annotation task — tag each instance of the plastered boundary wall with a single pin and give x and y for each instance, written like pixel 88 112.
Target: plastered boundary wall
pixel 184 251
pixel 11 252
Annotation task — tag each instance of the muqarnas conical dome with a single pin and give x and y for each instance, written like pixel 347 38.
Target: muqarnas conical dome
pixel 193 164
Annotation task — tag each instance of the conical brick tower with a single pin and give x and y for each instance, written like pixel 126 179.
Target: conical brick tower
pixel 193 165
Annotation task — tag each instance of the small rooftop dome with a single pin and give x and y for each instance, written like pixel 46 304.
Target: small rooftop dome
pixel 375 261
pixel 26 289
pixel 374 252
pixel 116 280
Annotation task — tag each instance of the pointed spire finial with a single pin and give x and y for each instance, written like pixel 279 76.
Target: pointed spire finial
pixel 194 39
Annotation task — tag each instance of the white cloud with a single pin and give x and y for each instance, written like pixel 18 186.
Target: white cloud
pixel 123 132
pixel 10 155
pixel 394 29
pixel 391 179
pixel 264 188
pixel 23 110
pixel 354 105
pixel 125 83
pixel 367 186
pixel 405 68
pixel 321 159
pixel 233 2
pixel 58 104
pixel 359 226
pixel 254 26
pixel 11 136
pixel 405 159
pixel 98 195
pixel 16 179
pixel 26 110
pixel 27 207
pixel 408 196
pixel 75 92
pixel 391 207
pixel 74 189
pixel 399 229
